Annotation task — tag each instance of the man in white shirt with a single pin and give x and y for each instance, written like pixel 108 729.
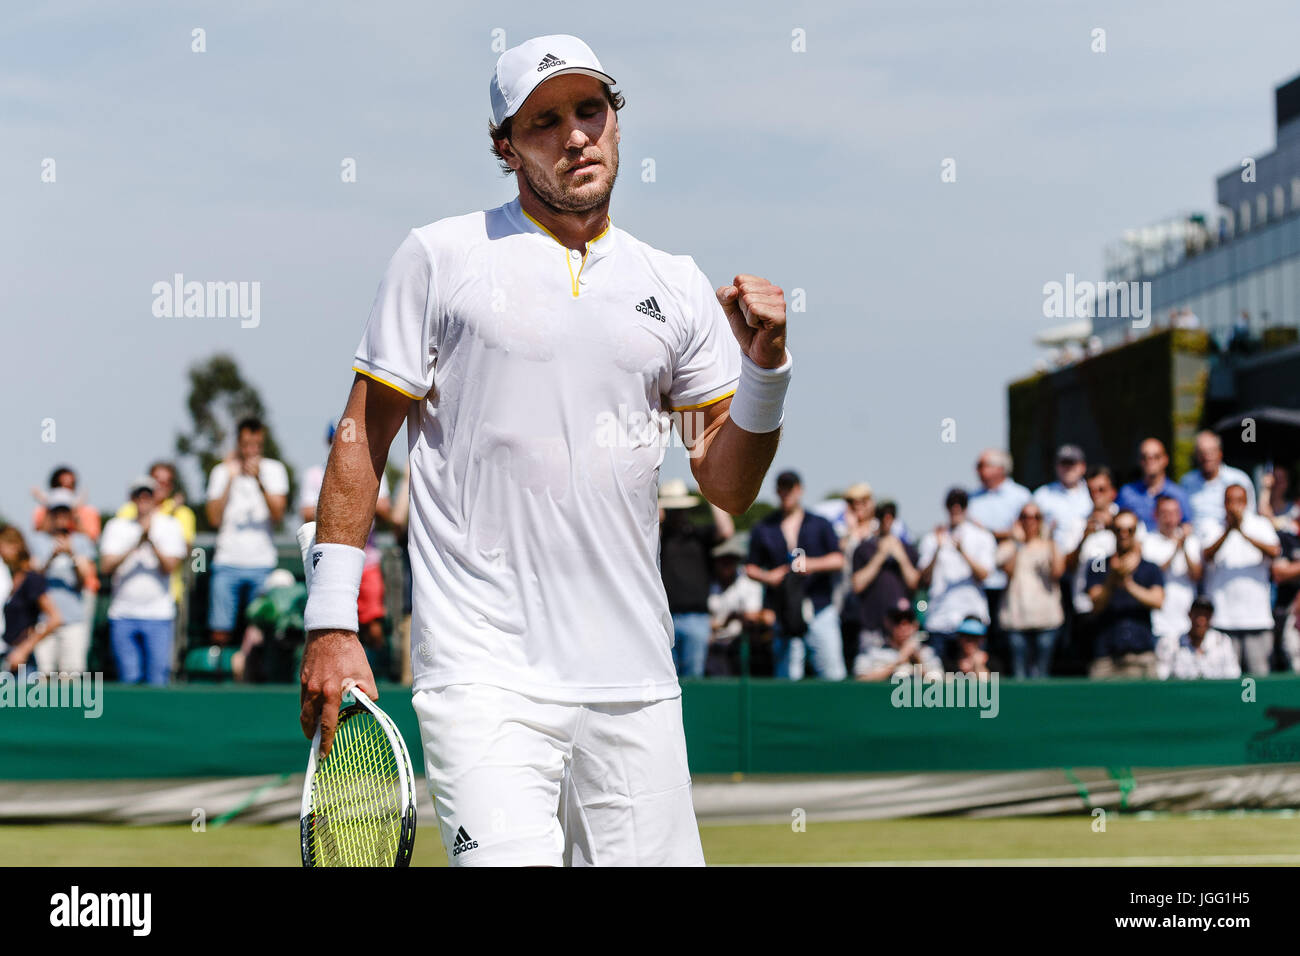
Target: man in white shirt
pixel 140 554
pixel 526 347
pixel 1239 557
pixel 1206 483
pixel 247 496
pixel 954 560
pixel 995 506
pixel 1174 549
pixel 1098 541
pixel 1202 653
pixel 1065 503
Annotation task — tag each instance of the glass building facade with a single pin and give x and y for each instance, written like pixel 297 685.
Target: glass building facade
pixel 1244 268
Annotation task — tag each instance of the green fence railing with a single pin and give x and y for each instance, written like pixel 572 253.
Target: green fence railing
pixel 747 726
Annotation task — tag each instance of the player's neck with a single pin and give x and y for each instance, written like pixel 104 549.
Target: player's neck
pixel 573 229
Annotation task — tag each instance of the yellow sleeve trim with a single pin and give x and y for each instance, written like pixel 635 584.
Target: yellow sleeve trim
pixel 372 375
pixel 712 401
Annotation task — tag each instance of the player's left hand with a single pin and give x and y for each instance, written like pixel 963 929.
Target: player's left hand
pixel 756 309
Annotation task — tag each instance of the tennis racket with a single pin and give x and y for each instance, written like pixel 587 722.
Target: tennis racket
pixel 358 804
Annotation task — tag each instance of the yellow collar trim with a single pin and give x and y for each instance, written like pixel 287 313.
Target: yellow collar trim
pixel 573 277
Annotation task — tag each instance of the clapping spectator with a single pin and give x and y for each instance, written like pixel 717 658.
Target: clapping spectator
pixel 902 654
pixel 954 560
pixel 994 506
pixel 247 495
pixel 66 559
pixel 1031 609
pixel 1206 483
pixel 170 502
pixel 1098 541
pixel 1140 496
pixel 30 613
pixel 796 555
pixel 885 574
pixel 1175 550
pixel 1090 554
pixel 140 554
pixel 87 518
pixel 1123 597
pixel 1239 555
pixel 1203 652
pixel 860 523
pixel 1065 503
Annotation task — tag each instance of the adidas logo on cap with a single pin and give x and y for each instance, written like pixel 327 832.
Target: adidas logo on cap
pixel 463 843
pixel 650 307
pixel 549 61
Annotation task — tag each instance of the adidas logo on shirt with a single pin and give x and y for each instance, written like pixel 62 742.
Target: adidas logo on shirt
pixel 463 843
pixel 650 307
pixel 549 61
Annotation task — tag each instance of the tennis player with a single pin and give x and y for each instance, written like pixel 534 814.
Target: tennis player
pixel 525 347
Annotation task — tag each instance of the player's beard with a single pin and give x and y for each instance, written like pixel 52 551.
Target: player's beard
pixel 561 199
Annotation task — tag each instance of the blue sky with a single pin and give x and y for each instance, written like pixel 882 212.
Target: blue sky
pixel 819 170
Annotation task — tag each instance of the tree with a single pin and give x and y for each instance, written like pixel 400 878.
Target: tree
pixel 219 398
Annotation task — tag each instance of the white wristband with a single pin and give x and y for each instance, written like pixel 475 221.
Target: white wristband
pixel 759 403
pixel 333 581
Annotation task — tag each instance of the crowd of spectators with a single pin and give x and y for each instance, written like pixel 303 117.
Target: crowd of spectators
pixel 1155 578
pixel 51 573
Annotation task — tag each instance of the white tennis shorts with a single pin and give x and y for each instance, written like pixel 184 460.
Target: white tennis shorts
pixel 524 782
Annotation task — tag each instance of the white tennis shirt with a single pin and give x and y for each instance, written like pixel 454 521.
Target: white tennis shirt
pixel 534 527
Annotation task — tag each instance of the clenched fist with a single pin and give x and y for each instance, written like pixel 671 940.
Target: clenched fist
pixel 756 309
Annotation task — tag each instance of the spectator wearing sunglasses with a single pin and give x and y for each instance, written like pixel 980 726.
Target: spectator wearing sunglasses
pixel 1031 613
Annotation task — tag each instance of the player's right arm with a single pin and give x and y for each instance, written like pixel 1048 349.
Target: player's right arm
pixel 343 515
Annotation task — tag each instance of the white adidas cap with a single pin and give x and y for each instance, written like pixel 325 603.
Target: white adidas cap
pixel 521 69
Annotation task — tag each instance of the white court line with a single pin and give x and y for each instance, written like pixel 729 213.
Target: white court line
pixel 1262 859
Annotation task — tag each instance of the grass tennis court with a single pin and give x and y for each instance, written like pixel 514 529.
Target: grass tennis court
pixel 1143 840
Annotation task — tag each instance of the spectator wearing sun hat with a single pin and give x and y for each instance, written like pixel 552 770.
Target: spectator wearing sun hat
pixel 685 564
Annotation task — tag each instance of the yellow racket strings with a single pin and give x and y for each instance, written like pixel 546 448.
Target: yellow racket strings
pixel 357 798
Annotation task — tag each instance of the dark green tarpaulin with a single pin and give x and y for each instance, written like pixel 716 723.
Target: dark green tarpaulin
pixel 759 727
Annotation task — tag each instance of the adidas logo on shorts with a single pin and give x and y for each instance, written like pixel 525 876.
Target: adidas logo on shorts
pixel 549 61
pixel 463 843
pixel 650 307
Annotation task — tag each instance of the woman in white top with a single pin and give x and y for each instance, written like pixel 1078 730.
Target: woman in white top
pixel 1031 613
